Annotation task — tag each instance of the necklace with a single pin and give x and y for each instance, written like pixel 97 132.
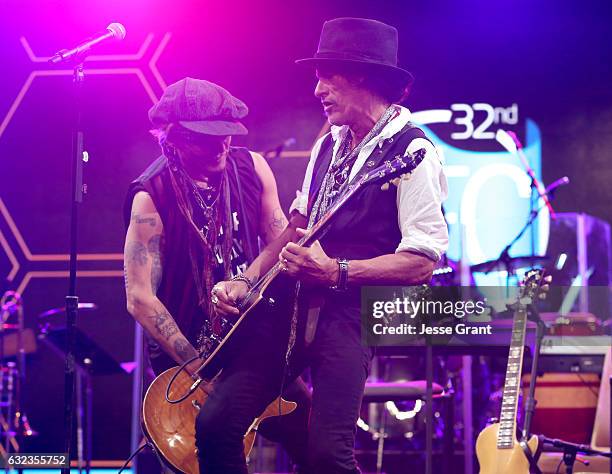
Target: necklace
pixel 206 200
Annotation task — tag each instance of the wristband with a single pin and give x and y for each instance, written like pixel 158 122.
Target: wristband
pixel 342 283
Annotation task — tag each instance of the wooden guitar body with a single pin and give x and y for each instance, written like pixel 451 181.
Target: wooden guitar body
pixel 502 461
pixel 171 427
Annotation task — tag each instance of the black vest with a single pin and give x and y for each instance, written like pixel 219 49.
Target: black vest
pixel 367 226
pixel 177 289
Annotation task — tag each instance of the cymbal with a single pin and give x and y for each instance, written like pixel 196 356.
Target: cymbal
pixel 62 310
pixel 511 263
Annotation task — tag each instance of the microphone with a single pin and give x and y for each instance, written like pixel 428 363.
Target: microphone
pixel 555 184
pixel 510 142
pixel 275 151
pixel 114 30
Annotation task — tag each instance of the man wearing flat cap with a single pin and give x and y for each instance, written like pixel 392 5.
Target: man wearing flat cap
pixel 194 218
pixel 389 235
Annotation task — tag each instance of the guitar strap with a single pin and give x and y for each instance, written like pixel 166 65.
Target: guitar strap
pixel 397 144
pixel 533 462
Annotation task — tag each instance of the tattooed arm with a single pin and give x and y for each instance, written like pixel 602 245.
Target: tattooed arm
pixel 276 231
pixel 143 262
pixel 273 220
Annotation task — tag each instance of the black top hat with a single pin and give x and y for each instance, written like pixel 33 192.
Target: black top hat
pixel 361 41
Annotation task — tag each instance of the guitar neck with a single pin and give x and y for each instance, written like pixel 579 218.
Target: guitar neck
pixel 313 234
pixel 389 168
pixel 507 423
pixel 317 229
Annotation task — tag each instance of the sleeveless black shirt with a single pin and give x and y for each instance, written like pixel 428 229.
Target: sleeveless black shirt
pixel 177 289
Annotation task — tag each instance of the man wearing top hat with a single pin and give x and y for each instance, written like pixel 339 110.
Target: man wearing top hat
pixel 385 236
pixel 194 218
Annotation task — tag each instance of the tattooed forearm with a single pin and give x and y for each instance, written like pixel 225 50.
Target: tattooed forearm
pixel 184 350
pixel 138 219
pixel 154 245
pixel 136 253
pixel 279 221
pixel 164 324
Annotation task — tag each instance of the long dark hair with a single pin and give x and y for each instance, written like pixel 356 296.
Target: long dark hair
pixel 390 87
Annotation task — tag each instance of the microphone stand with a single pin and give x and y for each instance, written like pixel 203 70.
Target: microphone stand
pixel 504 256
pixel 530 400
pixel 72 300
pixel 570 450
pixel 428 405
pixel 533 199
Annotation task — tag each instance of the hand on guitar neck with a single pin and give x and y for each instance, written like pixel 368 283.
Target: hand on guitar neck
pixel 309 263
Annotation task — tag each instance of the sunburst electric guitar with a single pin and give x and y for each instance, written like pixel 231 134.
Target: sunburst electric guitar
pixel 171 426
pixel 497 447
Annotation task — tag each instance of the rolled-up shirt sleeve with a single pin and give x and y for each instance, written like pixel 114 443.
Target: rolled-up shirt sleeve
pixel 419 203
pixel 300 203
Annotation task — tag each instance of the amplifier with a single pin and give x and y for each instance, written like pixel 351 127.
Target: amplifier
pixel 566 405
pixel 572 363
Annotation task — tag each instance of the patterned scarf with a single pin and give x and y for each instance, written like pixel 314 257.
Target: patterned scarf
pixel 213 237
pixel 336 178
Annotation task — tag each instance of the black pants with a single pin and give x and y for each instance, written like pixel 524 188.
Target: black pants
pixel 289 430
pixel 339 366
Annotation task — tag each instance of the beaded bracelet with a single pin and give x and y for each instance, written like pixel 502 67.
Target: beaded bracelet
pixel 241 277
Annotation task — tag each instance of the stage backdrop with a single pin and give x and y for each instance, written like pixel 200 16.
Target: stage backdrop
pixel 539 68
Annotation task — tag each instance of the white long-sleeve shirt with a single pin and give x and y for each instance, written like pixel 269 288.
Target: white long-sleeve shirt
pixel 419 198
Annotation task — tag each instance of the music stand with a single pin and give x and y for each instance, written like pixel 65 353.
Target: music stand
pixel 90 359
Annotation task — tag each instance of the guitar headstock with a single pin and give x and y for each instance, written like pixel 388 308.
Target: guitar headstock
pixel 535 285
pixel 394 168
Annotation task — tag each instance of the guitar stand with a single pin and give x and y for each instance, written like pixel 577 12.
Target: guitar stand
pixel 531 457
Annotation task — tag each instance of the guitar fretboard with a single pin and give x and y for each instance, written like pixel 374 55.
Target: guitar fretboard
pixel 507 422
pixel 390 168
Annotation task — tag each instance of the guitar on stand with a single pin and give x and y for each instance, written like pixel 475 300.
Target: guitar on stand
pixel 497 447
pixel 173 399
